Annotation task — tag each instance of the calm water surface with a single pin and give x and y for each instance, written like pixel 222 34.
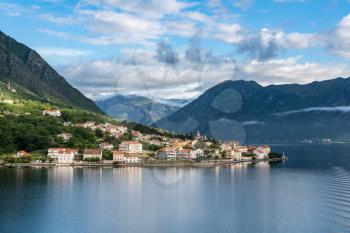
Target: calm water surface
pixel 309 193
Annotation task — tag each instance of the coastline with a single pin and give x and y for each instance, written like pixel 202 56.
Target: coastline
pixel 204 163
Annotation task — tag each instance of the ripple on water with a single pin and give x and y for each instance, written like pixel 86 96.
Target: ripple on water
pixel 334 195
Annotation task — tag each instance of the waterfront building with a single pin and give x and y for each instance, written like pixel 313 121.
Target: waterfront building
pixel 131 147
pixel 260 154
pixel 118 156
pixel 126 158
pixel 167 153
pixel 63 155
pixel 92 153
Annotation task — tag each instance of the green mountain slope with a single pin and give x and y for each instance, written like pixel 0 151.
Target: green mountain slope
pixel 246 110
pixel 23 67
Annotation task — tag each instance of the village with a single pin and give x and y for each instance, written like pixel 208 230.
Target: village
pixel 142 149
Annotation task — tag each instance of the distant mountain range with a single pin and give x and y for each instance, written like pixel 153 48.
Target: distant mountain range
pixel 175 102
pixel 245 110
pixel 136 108
pixel 24 68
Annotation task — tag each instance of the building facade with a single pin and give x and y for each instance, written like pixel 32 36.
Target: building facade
pixel 130 147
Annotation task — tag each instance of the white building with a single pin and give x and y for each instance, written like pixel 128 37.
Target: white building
pixel 167 153
pixel 55 112
pixel 132 158
pixel 130 147
pixel 63 155
pixel 65 136
pixel 21 153
pixel 92 153
pixel 118 156
pixel 234 154
pixel 186 154
pixel 7 101
pixel 126 158
pixel 260 154
pixel 106 146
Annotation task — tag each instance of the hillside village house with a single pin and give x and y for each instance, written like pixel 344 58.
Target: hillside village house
pixel 115 128
pixel 168 153
pixel 92 153
pixel 136 134
pixel 65 136
pixel 63 155
pixel 89 124
pixel 55 112
pixel 155 142
pixel 7 101
pixel 106 146
pixel 122 157
pixel 21 153
pixel 130 147
pixel 67 123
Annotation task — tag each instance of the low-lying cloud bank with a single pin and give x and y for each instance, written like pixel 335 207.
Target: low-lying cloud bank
pixel 344 109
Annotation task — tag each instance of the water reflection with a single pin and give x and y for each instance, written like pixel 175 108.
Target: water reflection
pixel 310 193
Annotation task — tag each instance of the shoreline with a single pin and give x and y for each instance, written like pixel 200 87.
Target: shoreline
pixel 203 164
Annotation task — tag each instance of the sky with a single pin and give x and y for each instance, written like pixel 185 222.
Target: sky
pixel 178 48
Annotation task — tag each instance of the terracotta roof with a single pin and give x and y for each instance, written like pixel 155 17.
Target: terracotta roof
pixel 64 150
pixel 131 142
pixel 117 152
pixel 93 151
pixel 165 149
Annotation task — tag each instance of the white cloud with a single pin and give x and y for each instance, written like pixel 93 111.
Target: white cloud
pixel 243 4
pixel 339 39
pixel 314 109
pixel 143 74
pixel 11 9
pixel 269 43
pixel 152 8
pixel 282 71
pixel 61 52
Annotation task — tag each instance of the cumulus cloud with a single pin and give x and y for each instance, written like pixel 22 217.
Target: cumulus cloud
pixel 143 73
pixel 243 4
pixel 269 43
pixel 166 54
pixel 344 109
pixel 152 8
pixel 61 52
pixel 339 40
pixel 290 70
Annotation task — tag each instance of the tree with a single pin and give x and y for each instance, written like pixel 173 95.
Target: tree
pixel 107 154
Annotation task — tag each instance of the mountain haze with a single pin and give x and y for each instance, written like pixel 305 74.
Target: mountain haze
pixel 248 111
pixel 25 68
pixel 135 108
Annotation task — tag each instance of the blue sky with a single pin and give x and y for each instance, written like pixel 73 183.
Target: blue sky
pixel 177 49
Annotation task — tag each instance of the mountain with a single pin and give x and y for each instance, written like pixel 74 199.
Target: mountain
pixel 175 102
pixel 245 110
pixel 135 108
pixel 25 68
